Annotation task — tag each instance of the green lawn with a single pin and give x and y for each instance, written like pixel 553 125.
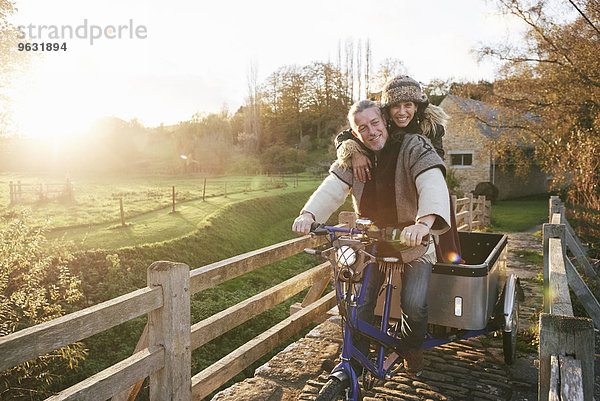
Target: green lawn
pixel 97 198
pixel 163 224
pixel 520 214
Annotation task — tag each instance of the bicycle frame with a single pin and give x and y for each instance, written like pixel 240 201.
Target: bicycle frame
pixel 348 303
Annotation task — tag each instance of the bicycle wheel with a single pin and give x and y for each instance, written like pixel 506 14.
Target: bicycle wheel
pixel 509 338
pixel 333 390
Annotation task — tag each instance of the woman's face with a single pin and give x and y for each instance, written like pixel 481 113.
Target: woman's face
pixel 402 113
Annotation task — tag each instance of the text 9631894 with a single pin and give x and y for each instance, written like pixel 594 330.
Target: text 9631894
pixel 42 46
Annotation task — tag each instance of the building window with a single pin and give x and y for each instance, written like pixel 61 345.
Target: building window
pixel 461 159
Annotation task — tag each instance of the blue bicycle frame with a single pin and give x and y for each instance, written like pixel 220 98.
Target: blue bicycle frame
pixel 381 336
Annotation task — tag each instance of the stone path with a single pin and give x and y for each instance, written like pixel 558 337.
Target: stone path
pixel 471 369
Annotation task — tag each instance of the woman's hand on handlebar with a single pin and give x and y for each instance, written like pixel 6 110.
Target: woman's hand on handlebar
pixel 413 235
pixel 361 165
pixel 303 222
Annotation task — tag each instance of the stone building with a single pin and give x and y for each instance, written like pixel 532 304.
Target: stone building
pixel 469 144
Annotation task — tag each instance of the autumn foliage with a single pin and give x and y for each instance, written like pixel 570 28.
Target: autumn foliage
pixel 35 286
pixel 555 76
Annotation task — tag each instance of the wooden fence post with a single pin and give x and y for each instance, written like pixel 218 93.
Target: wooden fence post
pixel 481 211
pixel 550 231
pixel 553 206
pixel 566 336
pixel 204 191
pixel 470 222
pixel 173 198
pixel 170 328
pixel 122 212
pixel 454 203
pixel 69 189
pixel 12 192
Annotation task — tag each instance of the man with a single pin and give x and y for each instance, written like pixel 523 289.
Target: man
pixel 407 189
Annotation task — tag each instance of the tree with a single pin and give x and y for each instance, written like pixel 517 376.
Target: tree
pixel 482 90
pixel 204 142
pixel 388 68
pixel 35 286
pixel 252 116
pixel 367 66
pixel 11 62
pixel 555 77
pixel 437 90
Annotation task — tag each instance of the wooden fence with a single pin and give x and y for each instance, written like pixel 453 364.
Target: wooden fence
pixel 566 351
pixel 164 350
pixel 471 212
pixel 19 191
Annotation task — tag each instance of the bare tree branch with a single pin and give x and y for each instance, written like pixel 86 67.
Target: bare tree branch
pixel 584 16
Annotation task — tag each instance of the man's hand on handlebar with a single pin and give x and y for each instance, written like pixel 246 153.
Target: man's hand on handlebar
pixel 303 222
pixel 413 235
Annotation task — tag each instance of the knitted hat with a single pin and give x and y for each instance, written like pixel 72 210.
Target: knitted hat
pixel 402 88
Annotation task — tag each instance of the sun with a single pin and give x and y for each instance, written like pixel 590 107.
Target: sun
pixel 55 102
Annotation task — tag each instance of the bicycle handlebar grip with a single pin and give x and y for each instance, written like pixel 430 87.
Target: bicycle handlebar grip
pixel 317 229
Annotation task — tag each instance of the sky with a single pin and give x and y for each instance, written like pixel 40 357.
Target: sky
pixel 194 56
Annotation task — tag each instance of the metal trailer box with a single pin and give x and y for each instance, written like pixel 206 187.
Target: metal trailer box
pixel 477 284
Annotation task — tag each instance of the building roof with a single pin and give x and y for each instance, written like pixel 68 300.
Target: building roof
pixel 492 121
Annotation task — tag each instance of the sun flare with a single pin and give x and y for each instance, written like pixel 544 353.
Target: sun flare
pixel 56 103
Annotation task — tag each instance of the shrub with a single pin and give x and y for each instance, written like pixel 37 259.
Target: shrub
pixel 244 164
pixel 280 159
pixel 35 286
pixel 453 182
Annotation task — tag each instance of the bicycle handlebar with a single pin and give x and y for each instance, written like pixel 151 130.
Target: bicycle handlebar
pixel 322 229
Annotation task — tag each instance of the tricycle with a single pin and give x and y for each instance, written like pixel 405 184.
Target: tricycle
pixel 465 300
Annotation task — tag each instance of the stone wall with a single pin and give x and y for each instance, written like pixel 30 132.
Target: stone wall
pixel 461 136
pixel 511 186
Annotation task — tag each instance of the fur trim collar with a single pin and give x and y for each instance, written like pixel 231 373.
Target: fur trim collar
pixel 345 151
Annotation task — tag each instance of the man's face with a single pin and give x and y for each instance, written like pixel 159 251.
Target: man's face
pixel 371 128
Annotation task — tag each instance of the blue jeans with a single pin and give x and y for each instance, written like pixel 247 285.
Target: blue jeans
pixel 415 283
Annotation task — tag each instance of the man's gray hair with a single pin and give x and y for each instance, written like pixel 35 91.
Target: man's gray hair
pixel 359 107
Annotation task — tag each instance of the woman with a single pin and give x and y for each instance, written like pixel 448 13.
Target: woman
pixel 407 110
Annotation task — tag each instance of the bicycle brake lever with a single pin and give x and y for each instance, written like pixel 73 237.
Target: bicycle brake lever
pixel 317 229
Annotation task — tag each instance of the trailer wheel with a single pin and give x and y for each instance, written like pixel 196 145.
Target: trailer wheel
pixel 509 338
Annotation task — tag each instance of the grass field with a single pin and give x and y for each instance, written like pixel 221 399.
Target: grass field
pixel 92 220
pixel 163 224
pixel 521 214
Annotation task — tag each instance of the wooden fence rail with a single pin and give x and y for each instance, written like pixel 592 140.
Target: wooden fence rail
pixel 18 190
pixel 471 213
pixel 566 350
pixel 164 351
